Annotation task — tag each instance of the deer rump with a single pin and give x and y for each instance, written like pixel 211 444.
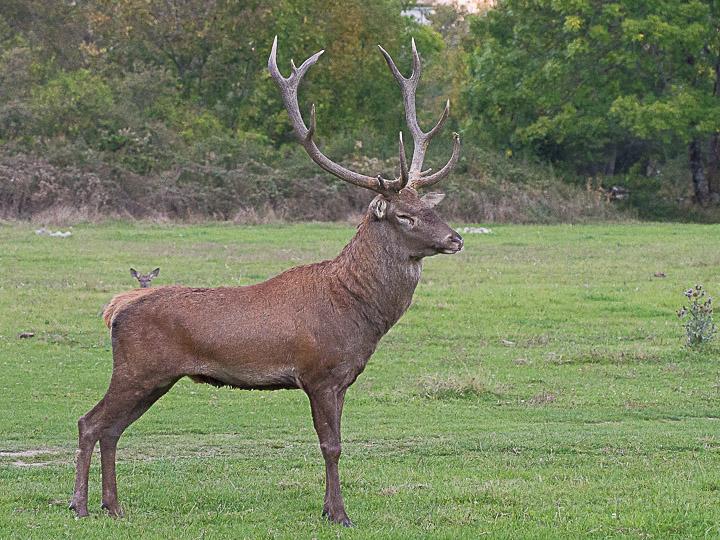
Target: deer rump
pixel 260 337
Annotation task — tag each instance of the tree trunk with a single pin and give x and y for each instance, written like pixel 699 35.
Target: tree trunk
pixel 611 161
pixel 700 183
pixel 713 168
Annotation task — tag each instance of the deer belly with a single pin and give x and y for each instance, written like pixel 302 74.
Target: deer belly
pixel 249 379
pixel 259 357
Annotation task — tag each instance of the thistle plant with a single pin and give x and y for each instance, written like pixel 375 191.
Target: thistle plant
pixel 698 320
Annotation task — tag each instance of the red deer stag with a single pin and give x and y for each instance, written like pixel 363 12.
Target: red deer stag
pixel 312 327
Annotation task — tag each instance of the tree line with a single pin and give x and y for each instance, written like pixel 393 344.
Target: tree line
pixel 597 89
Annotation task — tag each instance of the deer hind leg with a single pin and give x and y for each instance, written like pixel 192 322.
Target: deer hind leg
pixel 123 412
pixel 106 422
pixel 87 437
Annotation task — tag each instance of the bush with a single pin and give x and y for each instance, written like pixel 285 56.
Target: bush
pixel 33 188
pixel 151 175
pixel 699 325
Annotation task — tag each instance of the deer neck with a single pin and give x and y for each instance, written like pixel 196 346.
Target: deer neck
pixel 378 274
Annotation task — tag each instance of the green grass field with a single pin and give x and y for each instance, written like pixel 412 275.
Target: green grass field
pixel 537 388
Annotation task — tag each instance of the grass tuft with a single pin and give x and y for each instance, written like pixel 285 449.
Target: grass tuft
pixel 456 387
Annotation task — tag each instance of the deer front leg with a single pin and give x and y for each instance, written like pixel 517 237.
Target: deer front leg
pixel 326 408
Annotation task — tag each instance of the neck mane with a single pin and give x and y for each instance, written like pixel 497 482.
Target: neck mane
pixel 378 273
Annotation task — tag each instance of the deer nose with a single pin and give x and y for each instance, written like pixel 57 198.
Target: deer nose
pixel 455 240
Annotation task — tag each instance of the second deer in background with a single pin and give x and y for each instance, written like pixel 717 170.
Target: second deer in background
pixel 144 279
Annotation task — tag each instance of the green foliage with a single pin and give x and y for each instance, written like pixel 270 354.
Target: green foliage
pixel 195 126
pixel 218 53
pixel 149 80
pixel 597 85
pixel 75 104
pixel 150 86
pixel 542 80
pixel 677 48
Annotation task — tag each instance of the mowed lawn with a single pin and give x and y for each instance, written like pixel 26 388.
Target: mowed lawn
pixel 537 388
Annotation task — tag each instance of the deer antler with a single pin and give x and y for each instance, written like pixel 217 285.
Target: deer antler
pixel 416 176
pixel 289 91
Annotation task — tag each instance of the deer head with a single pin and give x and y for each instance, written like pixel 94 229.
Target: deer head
pixel 409 221
pixel 144 279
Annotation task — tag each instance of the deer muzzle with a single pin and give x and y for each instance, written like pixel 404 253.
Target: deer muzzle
pixel 452 244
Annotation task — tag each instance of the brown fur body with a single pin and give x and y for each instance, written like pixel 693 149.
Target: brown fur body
pixel 287 332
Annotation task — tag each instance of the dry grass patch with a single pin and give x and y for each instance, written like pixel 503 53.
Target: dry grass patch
pixel 604 357
pixel 457 387
pixel 389 491
pixel 543 398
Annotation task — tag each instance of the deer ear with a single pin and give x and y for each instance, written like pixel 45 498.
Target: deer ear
pixel 433 199
pixel 379 207
pixel 155 272
pixel 133 273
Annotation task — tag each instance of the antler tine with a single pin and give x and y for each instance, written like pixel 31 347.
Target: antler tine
pixel 440 123
pixel 289 92
pixel 404 177
pixel 408 87
pixel 442 173
pixel 417 68
pixel 313 123
pixel 414 76
pixel 391 64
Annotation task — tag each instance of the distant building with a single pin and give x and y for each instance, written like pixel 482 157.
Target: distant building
pixel 425 8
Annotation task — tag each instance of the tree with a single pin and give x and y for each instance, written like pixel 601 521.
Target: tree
pixel 599 85
pixel 677 46
pixel 146 83
pixel 543 78
pixel 218 51
pixel 59 28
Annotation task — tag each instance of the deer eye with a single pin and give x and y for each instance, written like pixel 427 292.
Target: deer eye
pixel 406 220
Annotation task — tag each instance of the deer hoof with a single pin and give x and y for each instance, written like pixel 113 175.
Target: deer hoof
pixel 339 518
pixel 113 510
pixel 80 509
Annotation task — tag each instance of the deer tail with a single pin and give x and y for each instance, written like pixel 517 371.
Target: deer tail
pixel 119 301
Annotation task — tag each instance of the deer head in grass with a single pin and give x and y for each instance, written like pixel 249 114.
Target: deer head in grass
pixel 144 279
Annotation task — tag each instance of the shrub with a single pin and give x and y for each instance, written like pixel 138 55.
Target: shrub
pixel 699 325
